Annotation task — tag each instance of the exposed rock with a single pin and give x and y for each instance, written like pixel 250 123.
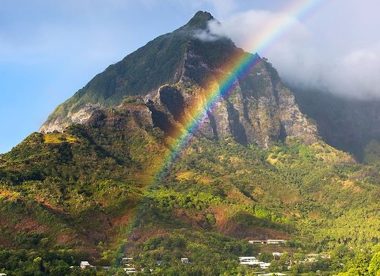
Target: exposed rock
pixel 57 124
pixel 295 123
pixel 80 116
pixel 259 109
pixel 250 114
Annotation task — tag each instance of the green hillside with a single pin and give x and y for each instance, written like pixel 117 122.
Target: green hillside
pixel 90 193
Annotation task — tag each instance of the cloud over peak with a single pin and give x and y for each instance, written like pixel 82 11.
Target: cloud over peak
pixel 307 54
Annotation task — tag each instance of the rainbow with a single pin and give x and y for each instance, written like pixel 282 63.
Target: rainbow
pixel 221 86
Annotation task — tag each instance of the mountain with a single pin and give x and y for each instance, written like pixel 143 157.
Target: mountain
pixel 89 185
pixel 171 72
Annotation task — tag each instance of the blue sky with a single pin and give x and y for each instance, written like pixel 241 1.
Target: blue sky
pixel 50 49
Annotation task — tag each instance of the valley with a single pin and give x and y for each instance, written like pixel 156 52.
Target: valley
pixel 142 171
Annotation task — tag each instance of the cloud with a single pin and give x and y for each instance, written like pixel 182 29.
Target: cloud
pixel 328 57
pixel 206 35
pixel 339 52
pixel 357 73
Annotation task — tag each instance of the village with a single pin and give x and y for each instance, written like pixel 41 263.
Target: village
pixel 260 267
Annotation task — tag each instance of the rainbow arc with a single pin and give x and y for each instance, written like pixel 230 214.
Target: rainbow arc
pixel 220 86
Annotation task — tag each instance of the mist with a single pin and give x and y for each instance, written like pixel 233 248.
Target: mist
pixel 336 52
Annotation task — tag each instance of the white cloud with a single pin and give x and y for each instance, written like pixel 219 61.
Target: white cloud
pixel 304 56
pixel 206 35
pixel 357 73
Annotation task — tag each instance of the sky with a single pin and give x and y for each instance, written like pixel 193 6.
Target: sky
pixel 50 49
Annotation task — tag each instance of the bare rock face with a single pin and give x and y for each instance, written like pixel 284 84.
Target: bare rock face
pixel 259 110
pixel 171 73
pixel 58 124
pixel 80 116
pixel 295 123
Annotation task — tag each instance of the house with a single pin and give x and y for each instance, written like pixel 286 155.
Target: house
pixel 85 264
pixel 311 258
pixel 126 261
pixel 249 261
pixel 268 241
pixel 257 241
pixel 277 255
pixel 276 241
pixel 130 270
pixel 272 274
pixel 253 261
pixel 185 260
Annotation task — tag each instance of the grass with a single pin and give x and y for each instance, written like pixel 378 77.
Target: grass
pixel 58 138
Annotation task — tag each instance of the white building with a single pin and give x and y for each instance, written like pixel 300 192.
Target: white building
pixel 185 260
pixel 276 241
pixel 257 241
pixel 253 261
pixel 130 270
pixel 268 241
pixel 249 261
pixel 272 274
pixel 85 264
pixel 277 254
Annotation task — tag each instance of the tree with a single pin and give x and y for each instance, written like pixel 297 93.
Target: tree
pixel 374 265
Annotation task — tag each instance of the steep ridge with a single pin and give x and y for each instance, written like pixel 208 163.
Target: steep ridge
pixel 171 71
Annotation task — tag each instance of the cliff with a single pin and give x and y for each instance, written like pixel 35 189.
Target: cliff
pixel 170 72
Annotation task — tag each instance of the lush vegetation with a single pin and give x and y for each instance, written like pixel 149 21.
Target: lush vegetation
pixel 93 193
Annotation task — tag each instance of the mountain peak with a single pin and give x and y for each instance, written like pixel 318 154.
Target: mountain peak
pixel 165 70
pixel 200 20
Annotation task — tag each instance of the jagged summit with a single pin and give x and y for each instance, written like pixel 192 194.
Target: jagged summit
pixel 170 72
pixel 200 20
pixel 159 62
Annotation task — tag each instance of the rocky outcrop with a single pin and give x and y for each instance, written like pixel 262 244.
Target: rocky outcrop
pixel 80 116
pixel 258 110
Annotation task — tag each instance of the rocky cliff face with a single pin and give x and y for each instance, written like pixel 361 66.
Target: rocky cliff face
pixel 169 73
